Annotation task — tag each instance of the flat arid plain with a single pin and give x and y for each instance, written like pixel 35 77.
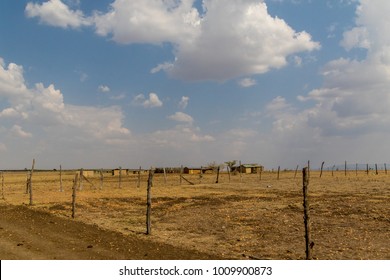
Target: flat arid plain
pixel 245 217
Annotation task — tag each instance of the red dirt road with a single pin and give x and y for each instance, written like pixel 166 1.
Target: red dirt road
pixel 30 234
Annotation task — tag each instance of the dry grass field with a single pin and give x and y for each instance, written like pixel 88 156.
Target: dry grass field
pixel 240 219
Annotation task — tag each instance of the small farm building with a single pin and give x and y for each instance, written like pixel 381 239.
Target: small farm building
pixel 197 170
pixel 87 173
pixel 115 172
pixel 248 168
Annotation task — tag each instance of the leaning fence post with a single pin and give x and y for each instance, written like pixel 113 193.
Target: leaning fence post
pixel 120 177
pixel 149 202
pixel 322 167
pixel 61 189
pixel 30 182
pixel 76 178
pixel 217 175
pixel 306 218
pixel 2 185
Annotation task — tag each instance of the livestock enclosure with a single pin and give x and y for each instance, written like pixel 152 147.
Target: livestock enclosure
pixel 240 217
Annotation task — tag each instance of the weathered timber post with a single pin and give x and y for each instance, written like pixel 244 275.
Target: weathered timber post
pixel 27 182
pixel 240 171
pixel 296 171
pixel 385 169
pixel 345 168
pixel 322 167
pixel 306 217
pixel 76 178
pixel 278 172
pixel 181 174
pixel 2 185
pixel 101 178
pixel 30 182
pixel 149 202
pixel 120 177
pixel 217 175
pixel 376 169
pixel 139 177
pixel 81 179
pixel 165 176
pixel 61 189
pixel 367 170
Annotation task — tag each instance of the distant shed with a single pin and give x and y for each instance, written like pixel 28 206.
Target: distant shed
pixel 252 168
pixel 197 170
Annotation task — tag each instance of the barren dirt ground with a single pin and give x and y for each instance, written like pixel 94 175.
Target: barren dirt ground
pixel 245 218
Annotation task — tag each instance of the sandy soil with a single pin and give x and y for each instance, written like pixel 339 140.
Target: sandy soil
pixel 244 218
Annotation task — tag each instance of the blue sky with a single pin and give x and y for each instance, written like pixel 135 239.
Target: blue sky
pixel 168 82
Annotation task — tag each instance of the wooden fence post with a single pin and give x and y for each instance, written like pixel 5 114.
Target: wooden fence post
pixel 322 166
pixel 345 168
pixel 61 189
pixel 376 169
pixel 278 172
pixel 385 169
pixel 240 171
pixel 2 185
pixel 165 176
pixel 306 218
pixel 120 177
pixel 101 178
pixel 139 177
pixel 76 179
pixel 367 170
pixel 217 175
pixel 30 182
pixel 181 174
pixel 149 203
pixel 81 179
pixel 296 171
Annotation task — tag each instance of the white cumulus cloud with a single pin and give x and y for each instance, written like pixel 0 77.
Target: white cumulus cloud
pixel 181 117
pixel 226 39
pixel 56 13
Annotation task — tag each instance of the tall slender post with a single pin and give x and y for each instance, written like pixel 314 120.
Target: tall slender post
pixel 61 189
pixel 2 185
pixel 181 174
pixel 30 182
pixel 306 217
pixel 278 172
pixel 376 169
pixel 149 203
pixel 120 177
pixel 345 168
pixel 240 171
pixel 165 176
pixel 76 178
pixel 296 171
pixel 101 178
pixel 217 175
pixel 139 177
pixel 385 169
pixel 322 166
pixel 81 179
pixel 367 170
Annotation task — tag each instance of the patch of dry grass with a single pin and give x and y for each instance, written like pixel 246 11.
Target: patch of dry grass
pixel 249 219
